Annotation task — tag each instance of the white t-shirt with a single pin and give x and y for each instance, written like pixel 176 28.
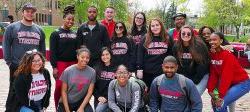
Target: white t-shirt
pixel 38 87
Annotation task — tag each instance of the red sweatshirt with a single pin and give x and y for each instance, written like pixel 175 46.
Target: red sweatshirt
pixel 225 71
pixel 110 25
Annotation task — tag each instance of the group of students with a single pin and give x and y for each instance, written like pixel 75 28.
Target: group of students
pixel 101 58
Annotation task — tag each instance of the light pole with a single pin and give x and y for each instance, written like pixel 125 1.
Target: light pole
pixel 50 17
pixel 5 12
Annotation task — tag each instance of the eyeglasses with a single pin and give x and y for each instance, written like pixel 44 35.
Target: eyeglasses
pixel 122 74
pixel 31 51
pixel 139 18
pixel 184 34
pixel 119 27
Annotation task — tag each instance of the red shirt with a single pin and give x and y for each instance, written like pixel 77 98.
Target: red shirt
pixel 225 71
pixel 110 25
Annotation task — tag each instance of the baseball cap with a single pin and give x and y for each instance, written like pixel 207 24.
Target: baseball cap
pixel 29 6
pixel 179 15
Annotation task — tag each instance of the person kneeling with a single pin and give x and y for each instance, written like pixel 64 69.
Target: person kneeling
pixel 124 95
pixel 172 92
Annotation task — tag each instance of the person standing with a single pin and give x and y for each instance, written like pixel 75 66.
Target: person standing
pixel 121 47
pixel 151 52
pixel 179 20
pixel 93 35
pixel 138 32
pixel 32 84
pixel 108 21
pixel 172 92
pixel 63 46
pixel 20 37
pixel 193 58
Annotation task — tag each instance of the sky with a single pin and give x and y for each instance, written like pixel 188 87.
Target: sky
pixel 195 6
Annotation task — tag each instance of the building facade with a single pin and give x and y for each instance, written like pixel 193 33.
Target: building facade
pixel 48 12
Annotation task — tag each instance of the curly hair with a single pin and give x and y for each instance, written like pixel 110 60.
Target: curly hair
pixel 26 63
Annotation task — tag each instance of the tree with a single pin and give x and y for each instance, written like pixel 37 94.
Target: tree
pixel 218 13
pixel 18 5
pixel 81 7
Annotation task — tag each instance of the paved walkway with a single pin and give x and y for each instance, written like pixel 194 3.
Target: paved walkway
pixel 243 104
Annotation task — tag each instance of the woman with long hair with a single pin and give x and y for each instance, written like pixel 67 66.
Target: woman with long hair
pixel 63 46
pixel 121 47
pixel 32 84
pixel 228 81
pixel 151 52
pixel 138 32
pixel 192 56
pixel 78 82
pixel 105 73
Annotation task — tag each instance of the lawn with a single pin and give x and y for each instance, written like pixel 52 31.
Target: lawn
pixel 232 38
pixel 48 30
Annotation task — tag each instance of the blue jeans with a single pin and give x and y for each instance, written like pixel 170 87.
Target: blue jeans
pixel 234 93
pixel 101 107
pixel 201 87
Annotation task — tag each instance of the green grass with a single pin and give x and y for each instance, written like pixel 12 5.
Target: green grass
pixel 232 38
pixel 48 30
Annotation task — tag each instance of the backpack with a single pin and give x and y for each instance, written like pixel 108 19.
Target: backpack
pixel 181 81
pixel 143 88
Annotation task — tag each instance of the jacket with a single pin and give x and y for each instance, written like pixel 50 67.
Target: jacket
pixel 22 86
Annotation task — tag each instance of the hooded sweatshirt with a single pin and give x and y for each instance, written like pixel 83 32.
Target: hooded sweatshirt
pixel 129 96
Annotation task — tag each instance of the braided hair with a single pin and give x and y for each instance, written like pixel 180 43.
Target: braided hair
pixel 70 9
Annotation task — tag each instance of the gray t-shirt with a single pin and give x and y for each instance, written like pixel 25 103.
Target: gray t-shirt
pixel 78 82
pixel 19 38
pixel 130 95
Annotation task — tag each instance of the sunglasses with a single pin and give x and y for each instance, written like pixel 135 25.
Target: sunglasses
pixel 119 27
pixel 31 51
pixel 184 34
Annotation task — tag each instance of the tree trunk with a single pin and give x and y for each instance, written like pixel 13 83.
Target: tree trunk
pixel 237 32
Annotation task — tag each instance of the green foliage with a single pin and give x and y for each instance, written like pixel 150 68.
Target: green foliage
pixel 219 13
pixel 81 7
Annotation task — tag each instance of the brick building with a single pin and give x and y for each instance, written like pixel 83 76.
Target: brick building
pixel 48 12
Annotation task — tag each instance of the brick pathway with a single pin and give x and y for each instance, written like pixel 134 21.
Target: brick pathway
pixel 243 104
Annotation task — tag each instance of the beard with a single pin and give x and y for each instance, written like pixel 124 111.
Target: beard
pixel 92 18
pixel 169 75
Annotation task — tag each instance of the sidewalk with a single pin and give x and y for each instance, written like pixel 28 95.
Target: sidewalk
pixel 243 104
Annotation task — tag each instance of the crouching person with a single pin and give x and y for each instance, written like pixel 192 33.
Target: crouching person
pixel 77 84
pixel 173 92
pixel 124 95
